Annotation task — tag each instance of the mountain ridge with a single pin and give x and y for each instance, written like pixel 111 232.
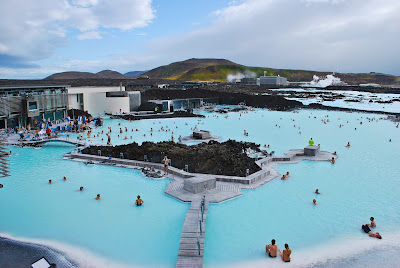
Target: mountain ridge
pixel 219 69
pixel 105 74
pixel 209 69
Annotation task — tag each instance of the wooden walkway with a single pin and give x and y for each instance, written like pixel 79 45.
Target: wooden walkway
pixel 191 245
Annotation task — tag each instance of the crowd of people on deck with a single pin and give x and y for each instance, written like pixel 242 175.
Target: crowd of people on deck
pixel 48 128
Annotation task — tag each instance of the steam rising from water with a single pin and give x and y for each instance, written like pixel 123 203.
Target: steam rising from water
pixel 233 77
pixel 330 80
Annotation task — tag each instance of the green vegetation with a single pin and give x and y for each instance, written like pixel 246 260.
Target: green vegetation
pixel 218 70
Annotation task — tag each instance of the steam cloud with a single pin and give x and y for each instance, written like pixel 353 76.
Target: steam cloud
pixel 330 80
pixel 233 77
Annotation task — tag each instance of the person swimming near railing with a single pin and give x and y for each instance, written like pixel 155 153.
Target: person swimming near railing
pixel 333 160
pixel 285 255
pixel 271 249
pixel 139 201
pixel 367 230
pixel 98 197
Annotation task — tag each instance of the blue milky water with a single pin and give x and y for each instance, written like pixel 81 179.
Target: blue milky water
pixel 364 182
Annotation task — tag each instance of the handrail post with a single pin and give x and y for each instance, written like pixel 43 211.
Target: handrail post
pixel 198 245
pixel 201 231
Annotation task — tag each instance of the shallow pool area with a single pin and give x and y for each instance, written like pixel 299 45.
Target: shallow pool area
pixel 363 182
pixel 112 228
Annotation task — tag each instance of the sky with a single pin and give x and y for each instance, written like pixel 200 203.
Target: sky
pixel 42 37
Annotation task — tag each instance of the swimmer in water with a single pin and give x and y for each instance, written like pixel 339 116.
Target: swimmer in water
pixel 81 188
pixel 334 153
pixel 283 178
pixel 98 197
pixel 348 144
pixel 50 182
pixel 316 191
pixel 311 142
pixel 373 224
pixel 367 230
pixel 271 249
pixel 287 175
pixel 333 160
pixel 65 178
pixel 285 255
pixel 314 201
pixel 139 201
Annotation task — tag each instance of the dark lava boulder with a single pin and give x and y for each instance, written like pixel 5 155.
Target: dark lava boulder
pixel 227 158
pixel 75 113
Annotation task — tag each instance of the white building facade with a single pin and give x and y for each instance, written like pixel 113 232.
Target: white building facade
pixel 100 100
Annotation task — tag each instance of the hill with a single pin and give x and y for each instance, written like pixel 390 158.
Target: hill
pixel 134 73
pixel 182 68
pixel 219 69
pixel 71 75
pixel 106 74
pixel 110 75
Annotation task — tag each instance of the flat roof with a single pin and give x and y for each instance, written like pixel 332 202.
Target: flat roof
pixel 33 87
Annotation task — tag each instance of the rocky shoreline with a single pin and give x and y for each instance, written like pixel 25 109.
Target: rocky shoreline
pixel 154 115
pixel 318 106
pixel 272 102
pixel 227 158
pixel 19 254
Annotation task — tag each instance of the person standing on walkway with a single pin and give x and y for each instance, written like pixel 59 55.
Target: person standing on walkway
pixel 166 164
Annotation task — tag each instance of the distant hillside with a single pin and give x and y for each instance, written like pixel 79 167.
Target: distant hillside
pixel 108 74
pixel 182 68
pixel 72 75
pixel 135 73
pixel 218 70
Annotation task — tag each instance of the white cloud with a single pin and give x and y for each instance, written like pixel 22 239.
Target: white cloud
pixel 3 48
pixel 89 35
pixel 34 29
pixel 336 35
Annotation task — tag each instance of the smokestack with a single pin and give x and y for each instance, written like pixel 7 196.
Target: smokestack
pixel 120 86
